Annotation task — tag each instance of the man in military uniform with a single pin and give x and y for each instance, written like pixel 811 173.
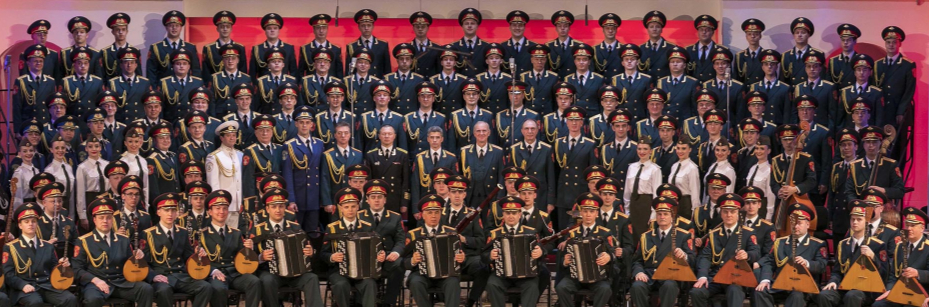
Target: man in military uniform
pixel 518 45
pixel 838 176
pixel 427 63
pixel 584 80
pixel 647 128
pixel 681 88
pixel 617 153
pixel 863 88
pixel 610 97
pixel 391 164
pixel 285 128
pixel 695 127
pixel 114 172
pixel 275 201
pixel 79 27
pixel 176 88
pixel 825 92
pixel 109 57
pixel 30 254
pixel 533 157
pixel 705 153
pixel 159 54
pixel 493 217
pixel 271 24
pixel 730 92
pixel 432 208
pixel 264 156
pixel 481 162
pixel 841 71
pixel 167 249
pixel 274 77
pixel 633 82
pixel 858 243
pixel 723 247
pixel 215 55
pixel 230 75
pixel 313 92
pixel 302 157
pixel 308 56
pixel 162 162
pixel 129 197
pixel 32 89
pixel 573 154
pixel 464 120
pixel 749 137
pixel 792 67
pixel 707 216
pixel 81 88
pixel 804 178
pixel 469 19
pixel 652 251
pixel 747 65
pixel 817 143
pixel 589 206
pixel 515 116
pixel 101 279
pixel 433 182
pixel 777 92
pixel 328 119
pixel 448 83
pixel 404 81
pixel 198 146
pixel 540 81
pixel 38 31
pixel 497 282
pixel 419 122
pixel 764 230
pixel 756 102
pixel 379 50
pixel 224 168
pixel 372 121
pixel 472 237
pixel 654 58
pixel 348 201
pixel 196 209
pixel 338 164
pixel 703 66
pixel 243 116
pixel 608 59
pixel 561 60
pixel 810 252
pixel 665 154
pixel 887 179
pixel 910 256
pixel 389 226
pixel 494 81
pixel 894 74
pixel 222 244
pixel 54 225
pixel 554 124
pixel 430 159
pixel 127 90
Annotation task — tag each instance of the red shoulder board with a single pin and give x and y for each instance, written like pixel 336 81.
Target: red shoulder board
pixel 245 160
pixel 6 256
pixel 754 240
pixel 897 239
pixel 630 228
pixel 407 241
pixel 883 255
pixel 772 237
pixel 690 243
pixel 151 169
pixel 822 251
pixel 811 166
pixel 77 250
pixel 182 157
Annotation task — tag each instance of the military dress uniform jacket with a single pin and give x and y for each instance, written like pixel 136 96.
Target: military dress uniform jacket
pixel 415 235
pixel 222 83
pixel 764 233
pixel 561 59
pixel 426 64
pixel 261 159
pixel 804 175
pixel 536 162
pixel 680 102
pixel 266 92
pixel 817 145
pixel 371 125
pixel 918 259
pixel 450 97
pixel 380 49
pixel 325 127
pixel 826 94
pixel 359 98
pixel 495 97
pixel 29 96
pixel 888 177
pixel 301 171
pixel 224 172
pixel 44 230
pixel 845 257
pixel 731 100
pixel 587 95
pixel 313 92
pixel 777 107
pixel 338 228
pixel 476 59
pixel 473 233
pixel 599 232
pixel 66 65
pixel 619 225
pixel 522 57
pixel 50 68
pixel 95 259
pixel 191 151
pixel 221 249
pixel 177 96
pixel 654 59
pixel 305 64
pixel 164 173
pixel 404 97
pixel 82 96
pixel 554 126
pixel 872 94
pixel 501 231
pixel 28 266
pixel 539 97
pixel 334 165
pixel 841 71
pixel 793 70
pixel 390 228
pixel 509 121
pixel 607 61
pixel 600 130
pixel 838 200
pixel 701 67
pixel 166 256
pixel 897 82
pixel 810 248
pixel 257 67
pixel 616 158
pixel 129 102
pixel 462 125
pixel 572 163
pixel 747 68
pixel 483 172
pixel 664 157
pixel 257 213
pixel 159 59
pixel 213 61
pixel 635 93
pixel 418 132
pixel 423 165
pixel 394 168
pixel 703 222
pixel 120 220
pixel 721 248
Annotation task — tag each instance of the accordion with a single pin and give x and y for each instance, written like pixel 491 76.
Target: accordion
pixel 584 253
pixel 513 260
pixel 288 260
pixel 439 255
pixel 360 250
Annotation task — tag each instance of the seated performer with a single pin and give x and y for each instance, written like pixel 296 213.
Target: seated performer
pixel 730 240
pixel 389 225
pixel 275 201
pixel 222 243
pixel 348 200
pixel 912 243
pixel 167 251
pixel 652 251
pixel 497 285
pixel 859 242
pixel 589 205
pixel 431 208
pixel 100 255
pixel 27 262
pixel 810 253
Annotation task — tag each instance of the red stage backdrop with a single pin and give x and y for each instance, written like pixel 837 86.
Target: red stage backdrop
pixel 298 32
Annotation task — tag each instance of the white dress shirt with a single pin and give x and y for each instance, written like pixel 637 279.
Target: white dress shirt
pixel 649 181
pixel 134 161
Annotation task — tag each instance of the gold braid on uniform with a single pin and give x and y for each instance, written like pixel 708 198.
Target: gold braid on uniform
pixel 169 176
pixel 163 62
pixel 838 257
pixel 30 99
pixel 263 169
pixel 155 254
pixel 169 98
pixel 424 179
pixel 266 96
pixel 95 262
pixel 781 262
pixel 110 70
pixel 563 161
pixel 222 169
pixel 649 253
pixel 26 266
pixel 336 173
pixel 466 170
pixel 717 258
pixel 466 133
pixel 299 164
pixel 76 96
pixel 221 93
pixel 214 257
pixel 369 133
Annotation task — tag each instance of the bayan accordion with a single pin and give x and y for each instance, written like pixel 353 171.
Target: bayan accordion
pixel 584 253
pixel 438 254
pixel 360 250
pixel 288 260
pixel 513 259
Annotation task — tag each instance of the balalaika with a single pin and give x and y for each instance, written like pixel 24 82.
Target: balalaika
pixel 438 254
pixel 288 260
pixel 584 253
pixel 513 260
pixel 360 250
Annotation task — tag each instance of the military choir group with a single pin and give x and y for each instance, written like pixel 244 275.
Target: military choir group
pixel 204 154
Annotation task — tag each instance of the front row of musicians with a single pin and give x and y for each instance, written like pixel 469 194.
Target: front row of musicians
pixel 99 256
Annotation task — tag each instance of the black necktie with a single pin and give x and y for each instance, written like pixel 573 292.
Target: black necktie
pixel 472 114
pixel 82 81
pixel 106 239
pixel 377 219
pixel 629 79
pixel 174 45
pixel 222 233
pixel 64 169
pixel 674 81
pixel 582 80
pixel 448 80
pixel 100 177
pixel 661 237
pixel 433 231
pixel 854 246
pixel 32 244
pixel 351 227
pixel 139 163
pixel 609 49
pixel 860 89
pixel 345 153
pixel 380 119
pixel 812 84
pixel 753 55
pixel 435 158
pixel 470 45
pixel 480 153
pixel 277 228
pixel 170 238
pixel 277 80
pixel 635 184
pixel 573 143
pixel 605 217
pixel 674 175
pixel 768 85
pixel 132 216
pixel 703 53
pixel 525 218
pixel 870 165
pixel 728 233
pixel 454 217
pixel 368 43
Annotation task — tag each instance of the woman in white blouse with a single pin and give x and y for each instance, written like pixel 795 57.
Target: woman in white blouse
pixel 642 179
pixel 721 166
pixel 760 176
pixel 61 168
pixel 23 174
pixel 685 175
pixel 134 159
pixel 91 180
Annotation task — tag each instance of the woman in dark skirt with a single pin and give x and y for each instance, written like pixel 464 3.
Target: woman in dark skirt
pixel 642 179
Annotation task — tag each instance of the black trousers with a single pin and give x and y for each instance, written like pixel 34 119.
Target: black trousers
pixel 248 284
pixel 140 293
